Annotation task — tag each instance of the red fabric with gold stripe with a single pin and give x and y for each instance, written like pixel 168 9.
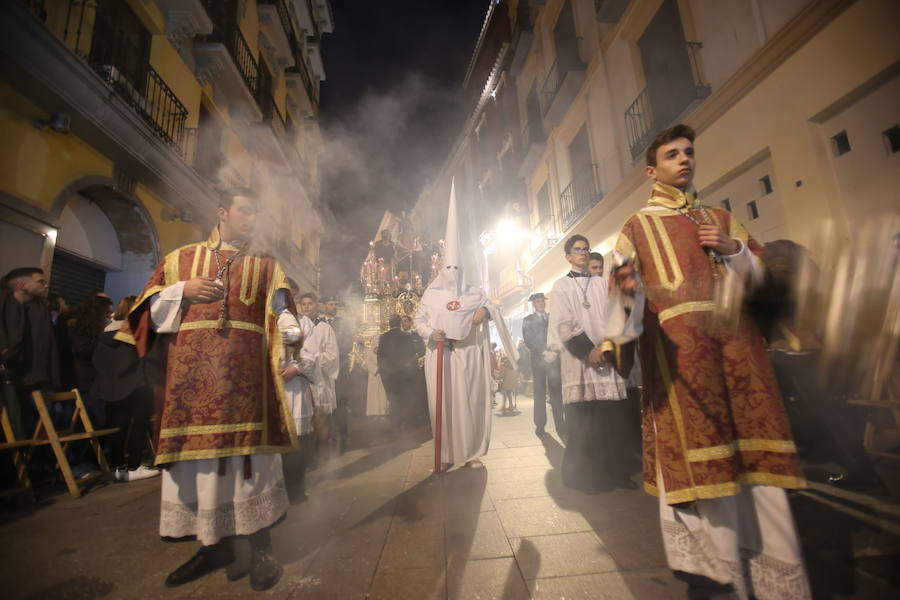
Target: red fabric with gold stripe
pixel 223 394
pixel 713 416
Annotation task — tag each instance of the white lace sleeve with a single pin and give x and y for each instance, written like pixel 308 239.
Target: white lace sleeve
pixel 165 308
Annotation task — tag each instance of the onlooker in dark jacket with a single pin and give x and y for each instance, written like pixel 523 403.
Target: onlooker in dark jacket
pixel 28 354
pixel 86 324
pixel 398 364
pixel 122 385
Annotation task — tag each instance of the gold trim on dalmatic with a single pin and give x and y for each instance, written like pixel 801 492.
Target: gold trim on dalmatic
pixel 229 324
pixel 170 432
pixel 741 445
pixel 654 242
pixel 685 307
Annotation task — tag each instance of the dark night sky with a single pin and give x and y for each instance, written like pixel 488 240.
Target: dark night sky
pixel 391 108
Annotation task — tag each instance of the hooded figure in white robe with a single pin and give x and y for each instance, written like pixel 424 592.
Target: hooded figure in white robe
pixel 458 312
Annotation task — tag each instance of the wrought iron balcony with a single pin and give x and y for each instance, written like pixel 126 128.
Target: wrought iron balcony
pixel 579 197
pixel 561 85
pixel 644 118
pixel 227 32
pixel 122 62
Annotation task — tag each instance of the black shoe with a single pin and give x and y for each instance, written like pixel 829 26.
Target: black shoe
pixel 264 571
pixel 207 560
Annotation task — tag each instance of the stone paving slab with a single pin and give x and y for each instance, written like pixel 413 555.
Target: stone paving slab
pixel 377 524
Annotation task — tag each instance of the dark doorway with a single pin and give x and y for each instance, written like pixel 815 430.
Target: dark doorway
pixel 74 279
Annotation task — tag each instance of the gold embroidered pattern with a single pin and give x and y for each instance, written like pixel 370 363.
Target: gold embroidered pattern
pixel 125 337
pixel 730 488
pixel 228 324
pixel 169 457
pixel 209 429
pixel 654 243
pixel 685 307
pixel 749 445
pixel 195 264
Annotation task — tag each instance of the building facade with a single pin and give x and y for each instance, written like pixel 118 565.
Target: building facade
pixel 795 103
pixel 121 120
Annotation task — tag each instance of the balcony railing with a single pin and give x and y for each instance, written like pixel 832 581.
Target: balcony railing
pixel 301 69
pixel 579 197
pixel 642 122
pixel 277 119
pixel 226 31
pixel 283 15
pixel 91 33
pixel 551 84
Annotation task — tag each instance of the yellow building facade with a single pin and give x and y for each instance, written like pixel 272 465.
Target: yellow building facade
pixel 121 120
pixel 796 104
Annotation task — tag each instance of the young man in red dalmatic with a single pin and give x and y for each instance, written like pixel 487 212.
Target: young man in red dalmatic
pixel 208 317
pixel 718 449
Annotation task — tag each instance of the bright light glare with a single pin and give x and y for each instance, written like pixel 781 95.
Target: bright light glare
pixel 508 231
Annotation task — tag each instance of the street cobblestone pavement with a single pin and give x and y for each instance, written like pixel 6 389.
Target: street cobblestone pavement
pixel 377 525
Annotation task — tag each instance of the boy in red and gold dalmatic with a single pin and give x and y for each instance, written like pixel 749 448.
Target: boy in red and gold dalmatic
pixel 718 449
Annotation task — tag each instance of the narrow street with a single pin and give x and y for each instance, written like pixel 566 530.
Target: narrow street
pixel 377 525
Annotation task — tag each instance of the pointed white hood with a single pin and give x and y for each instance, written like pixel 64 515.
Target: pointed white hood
pixel 450 302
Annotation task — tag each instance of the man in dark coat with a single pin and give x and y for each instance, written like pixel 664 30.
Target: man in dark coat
pixel 28 353
pixel 398 364
pixel 544 367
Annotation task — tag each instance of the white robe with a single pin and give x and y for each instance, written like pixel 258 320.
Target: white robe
pixel 195 499
pixel 299 389
pixel 569 318
pixel 376 396
pixel 748 540
pixel 328 365
pixel 466 415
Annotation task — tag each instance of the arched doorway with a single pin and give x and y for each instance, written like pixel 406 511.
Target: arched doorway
pixel 106 242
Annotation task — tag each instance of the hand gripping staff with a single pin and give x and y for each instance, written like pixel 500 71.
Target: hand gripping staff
pixel 438 408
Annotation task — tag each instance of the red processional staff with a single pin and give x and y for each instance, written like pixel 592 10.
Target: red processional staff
pixel 438 408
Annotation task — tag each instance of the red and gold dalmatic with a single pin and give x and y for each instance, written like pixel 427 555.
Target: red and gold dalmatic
pixel 223 394
pixel 713 417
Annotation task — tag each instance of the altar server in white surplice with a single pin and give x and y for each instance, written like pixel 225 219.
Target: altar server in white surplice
pixel 457 313
pixel 592 391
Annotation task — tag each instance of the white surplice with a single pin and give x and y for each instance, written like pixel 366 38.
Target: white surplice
pixel 466 415
pixel 328 365
pixel 570 318
pixel 748 540
pixel 195 499
pixel 299 389
pixel 376 396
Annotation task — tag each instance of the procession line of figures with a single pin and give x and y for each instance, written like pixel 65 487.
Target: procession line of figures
pixel 239 379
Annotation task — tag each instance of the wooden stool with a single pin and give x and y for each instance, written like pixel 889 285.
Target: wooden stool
pixel 46 433
pixel 11 443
